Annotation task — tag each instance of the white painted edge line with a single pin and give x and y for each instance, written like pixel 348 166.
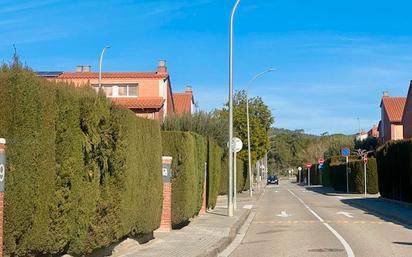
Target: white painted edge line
pixel 239 237
pixel 345 244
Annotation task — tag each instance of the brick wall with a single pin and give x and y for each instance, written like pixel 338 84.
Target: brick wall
pixel 166 221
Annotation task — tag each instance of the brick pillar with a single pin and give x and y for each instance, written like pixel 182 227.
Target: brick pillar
pixel 166 221
pixel 203 209
pixel 2 179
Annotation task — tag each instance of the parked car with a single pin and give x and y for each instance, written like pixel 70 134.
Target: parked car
pixel 272 179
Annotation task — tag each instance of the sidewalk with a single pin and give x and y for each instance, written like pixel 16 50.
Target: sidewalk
pixel 387 209
pixel 206 235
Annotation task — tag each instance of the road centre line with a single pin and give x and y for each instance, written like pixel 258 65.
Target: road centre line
pixel 345 244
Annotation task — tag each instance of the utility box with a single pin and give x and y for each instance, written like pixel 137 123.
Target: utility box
pixel 167 169
pixel 2 164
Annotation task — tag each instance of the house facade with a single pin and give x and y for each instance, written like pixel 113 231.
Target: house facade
pixel 147 94
pixel 407 115
pixel 390 126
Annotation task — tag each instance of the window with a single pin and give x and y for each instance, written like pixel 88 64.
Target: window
pixel 121 90
pixel 108 89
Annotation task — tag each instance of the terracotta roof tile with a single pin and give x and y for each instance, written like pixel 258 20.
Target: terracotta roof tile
pixel 183 102
pixel 394 107
pixel 113 75
pixel 140 102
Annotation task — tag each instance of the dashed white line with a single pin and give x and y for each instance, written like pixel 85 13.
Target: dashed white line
pixel 345 244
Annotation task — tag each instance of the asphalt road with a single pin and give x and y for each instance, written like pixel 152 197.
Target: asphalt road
pixel 292 221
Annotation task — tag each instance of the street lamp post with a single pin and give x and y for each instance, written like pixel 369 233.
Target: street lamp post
pixel 230 193
pixel 248 126
pixel 100 65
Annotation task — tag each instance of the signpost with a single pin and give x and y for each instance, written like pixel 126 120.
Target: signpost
pixel 365 162
pixel 237 145
pixel 300 174
pixel 321 161
pixel 346 153
pixel 309 165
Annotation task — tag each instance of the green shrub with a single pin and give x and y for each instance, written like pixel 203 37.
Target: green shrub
pixel 81 171
pixel 241 175
pixel 336 171
pixel 214 158
pixel 187 173
pixel 395 170
pixel 200 160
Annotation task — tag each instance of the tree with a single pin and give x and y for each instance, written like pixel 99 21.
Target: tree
pixel 260 119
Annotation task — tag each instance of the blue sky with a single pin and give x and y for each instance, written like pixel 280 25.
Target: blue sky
pixel 334 58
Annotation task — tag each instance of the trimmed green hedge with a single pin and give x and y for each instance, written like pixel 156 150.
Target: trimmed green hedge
pixel 241 176
pixel 395 170
pixel 335 170
pixel 214 168
pixel 189 154
pixel 81 172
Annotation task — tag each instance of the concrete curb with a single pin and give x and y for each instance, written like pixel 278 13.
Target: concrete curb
pixel 385 213
pixel 226 241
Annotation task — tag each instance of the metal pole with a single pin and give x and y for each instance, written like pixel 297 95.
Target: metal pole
pixel 257 175
pixel 347 175
pixel 234 181
pixel 365 177
pixel 230 193
pixel 248 146
pixel 308 176
pixel 248 126
pixel 100 65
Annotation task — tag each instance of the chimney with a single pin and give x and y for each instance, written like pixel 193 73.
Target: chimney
pixel 188 89
pixel 83 68
pixel 385 94
pixel 161 68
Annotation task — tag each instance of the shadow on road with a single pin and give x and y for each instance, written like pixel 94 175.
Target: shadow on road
pixel 372 205
pixel 403 243
pixel 385 211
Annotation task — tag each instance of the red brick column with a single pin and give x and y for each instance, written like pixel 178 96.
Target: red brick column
pixel 166 220
pixel 203 209
pixel 2 178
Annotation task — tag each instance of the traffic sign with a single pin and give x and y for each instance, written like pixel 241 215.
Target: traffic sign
pixel 237 144
pixel 308 165
pixel 345 152
pixel 321 161
pixel 300 168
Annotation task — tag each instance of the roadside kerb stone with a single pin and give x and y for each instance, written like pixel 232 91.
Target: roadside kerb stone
pixel 226 241
pixel 206 235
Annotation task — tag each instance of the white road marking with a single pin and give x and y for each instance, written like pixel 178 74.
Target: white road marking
pixel 283 214
pixel 239 237
pixel 347 214
pixel 247 206
pixel 345 244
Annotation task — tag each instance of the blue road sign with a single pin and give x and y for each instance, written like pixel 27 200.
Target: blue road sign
pixel 345 152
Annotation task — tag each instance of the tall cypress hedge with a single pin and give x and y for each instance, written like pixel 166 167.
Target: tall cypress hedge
pixel 395 170
pixel 214 168
pixel 336 170
pixel 241 176
pixel 185 178
pixel 81 172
